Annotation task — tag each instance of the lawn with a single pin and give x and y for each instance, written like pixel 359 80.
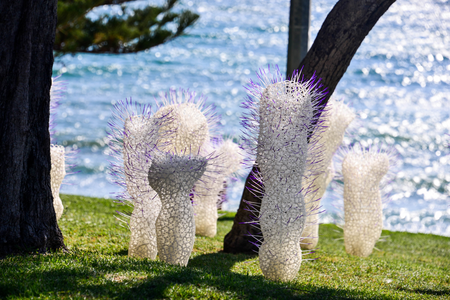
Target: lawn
pixel 406 266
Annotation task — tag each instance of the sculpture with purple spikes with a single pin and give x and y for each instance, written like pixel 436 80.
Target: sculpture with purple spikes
pixel 283 120
pixel 147 205
pixel 328 136
pixel 134 135
pixel 173 177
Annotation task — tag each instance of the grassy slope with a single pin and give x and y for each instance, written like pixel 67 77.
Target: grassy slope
pixel 408 266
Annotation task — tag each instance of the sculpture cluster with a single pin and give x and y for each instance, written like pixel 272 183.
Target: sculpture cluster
pixel 161 157
pixel 280 124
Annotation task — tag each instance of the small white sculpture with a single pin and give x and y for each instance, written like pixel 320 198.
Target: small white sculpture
pixel 173 177
pixel 363 170
pixel 328 136
pixel 207 192
pixel 283 119
pixel 57 174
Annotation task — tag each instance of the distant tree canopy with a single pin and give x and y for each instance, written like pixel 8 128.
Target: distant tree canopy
pixel 133 31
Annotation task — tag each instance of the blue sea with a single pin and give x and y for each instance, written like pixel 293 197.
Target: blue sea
pixel 398 84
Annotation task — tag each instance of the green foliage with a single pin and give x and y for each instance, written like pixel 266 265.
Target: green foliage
pixel 135 30
pixel 407 266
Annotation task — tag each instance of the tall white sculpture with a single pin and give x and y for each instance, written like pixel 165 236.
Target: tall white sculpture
pixel 139 142
pixel 285 113
pixel 363 170
pixel 57 174
pixel 328 136
pixel 173 177
pixel 133 139
pixel 228 159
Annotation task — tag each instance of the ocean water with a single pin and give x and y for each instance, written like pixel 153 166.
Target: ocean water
pixel 398 84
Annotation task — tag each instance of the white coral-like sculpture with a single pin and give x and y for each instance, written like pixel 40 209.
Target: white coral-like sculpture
pixel 228 160
pixel 363 170
pixel 133 138
pixel 328 136
pixel 285 115
pixel 57 174
pixel 173 177
pixel 139 142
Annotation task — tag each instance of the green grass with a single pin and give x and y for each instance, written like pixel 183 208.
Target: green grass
pixel 407 266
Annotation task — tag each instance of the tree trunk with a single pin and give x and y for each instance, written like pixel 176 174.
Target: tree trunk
pixel 27 217
pixel 338 39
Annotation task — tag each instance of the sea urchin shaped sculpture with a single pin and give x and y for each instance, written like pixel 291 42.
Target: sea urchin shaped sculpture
pixel 133 138
pixel 328 136
pixel 285 115
pixel 363 170
pixel 137 148
pixel 173 177
pixel 57 174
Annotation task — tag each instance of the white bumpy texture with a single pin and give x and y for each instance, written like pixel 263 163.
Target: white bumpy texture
pixel 139 142
pixel 329 136
pixel 173 177
pixel 57 174
pixel 228 159
pixel 363 171
pixel 285 114
pixel 187 128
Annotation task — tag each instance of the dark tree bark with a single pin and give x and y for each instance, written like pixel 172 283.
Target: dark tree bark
pixel 27 217
pixel 340 36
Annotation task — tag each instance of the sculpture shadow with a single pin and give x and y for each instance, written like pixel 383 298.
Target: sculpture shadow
pixel 200 272
pixel 107 278
pixel 123 252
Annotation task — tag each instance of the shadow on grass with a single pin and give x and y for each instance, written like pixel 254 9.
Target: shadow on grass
pixel 109 277
pixel 123 252
pixel 212 271
pixel 426 291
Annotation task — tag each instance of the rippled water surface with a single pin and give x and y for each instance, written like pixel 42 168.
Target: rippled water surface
pixel 398 83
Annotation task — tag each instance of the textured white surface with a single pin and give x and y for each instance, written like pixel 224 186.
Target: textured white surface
pixel 328 136
pixel 187 127
pixel 173 177
pixel 138 145
pixel 285 112
pixel 363 171
pixel 57 174
pixel 228 159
